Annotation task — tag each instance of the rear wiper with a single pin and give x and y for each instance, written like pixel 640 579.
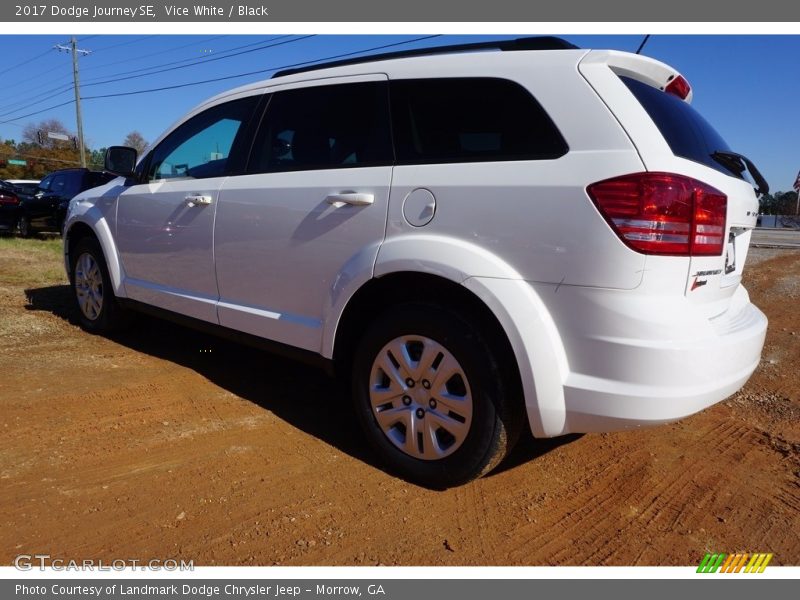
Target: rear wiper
pixel 738 163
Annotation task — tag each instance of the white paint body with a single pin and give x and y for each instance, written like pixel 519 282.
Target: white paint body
pixel 604 337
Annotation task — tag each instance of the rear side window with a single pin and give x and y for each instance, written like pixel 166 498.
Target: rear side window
pixel 688 134
pixel 468 120
pixel 325 127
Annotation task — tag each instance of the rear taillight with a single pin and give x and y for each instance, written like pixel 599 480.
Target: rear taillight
pixel 663 213
pixel 9 199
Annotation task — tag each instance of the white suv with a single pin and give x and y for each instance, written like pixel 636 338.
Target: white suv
pixel 475 238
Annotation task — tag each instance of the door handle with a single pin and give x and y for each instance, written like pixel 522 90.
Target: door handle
pixel 197 200
pixel 352 198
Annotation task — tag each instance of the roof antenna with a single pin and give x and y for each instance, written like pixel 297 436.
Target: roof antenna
pixel 644 41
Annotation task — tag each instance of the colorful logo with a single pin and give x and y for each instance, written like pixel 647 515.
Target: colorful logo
pixel 734 563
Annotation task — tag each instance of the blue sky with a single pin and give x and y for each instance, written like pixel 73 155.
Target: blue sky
pixel 747 86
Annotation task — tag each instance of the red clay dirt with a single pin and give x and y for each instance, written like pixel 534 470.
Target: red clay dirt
pixel 166 443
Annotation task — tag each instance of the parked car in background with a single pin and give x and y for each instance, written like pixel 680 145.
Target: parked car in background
pixel 46 208
pixel 9 207
pixel 25 187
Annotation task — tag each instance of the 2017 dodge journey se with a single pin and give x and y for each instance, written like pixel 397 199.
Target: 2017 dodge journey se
pixel 477 237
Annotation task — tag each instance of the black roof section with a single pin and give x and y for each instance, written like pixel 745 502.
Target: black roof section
pixel 525 43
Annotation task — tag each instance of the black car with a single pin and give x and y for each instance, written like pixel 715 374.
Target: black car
pixel 25 189
pixel 46 208
pixel 9 206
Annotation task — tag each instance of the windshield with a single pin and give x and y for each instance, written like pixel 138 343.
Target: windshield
pixel 688 134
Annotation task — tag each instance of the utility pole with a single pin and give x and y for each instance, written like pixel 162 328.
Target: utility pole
pixel 73 48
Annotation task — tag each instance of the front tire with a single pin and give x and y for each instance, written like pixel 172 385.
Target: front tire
pixel 431 396
pixel 98 309
pixel 24 227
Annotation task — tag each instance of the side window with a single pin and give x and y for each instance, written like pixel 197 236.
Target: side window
pixel 58 184
pixel 324 127
pixel 45 183
pixel 72 184
pixel 470 120
pixel 200 148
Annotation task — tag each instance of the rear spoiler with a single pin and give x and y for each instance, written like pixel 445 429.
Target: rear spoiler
pixel 642 68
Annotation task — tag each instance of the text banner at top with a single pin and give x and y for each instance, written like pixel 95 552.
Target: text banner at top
pixel 450 11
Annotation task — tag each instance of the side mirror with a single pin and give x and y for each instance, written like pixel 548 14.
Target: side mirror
pixel 120 160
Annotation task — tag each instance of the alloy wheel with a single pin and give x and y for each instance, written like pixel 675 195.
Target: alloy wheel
pixel 89 286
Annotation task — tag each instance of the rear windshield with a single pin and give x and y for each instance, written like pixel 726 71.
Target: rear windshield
pixel 688 134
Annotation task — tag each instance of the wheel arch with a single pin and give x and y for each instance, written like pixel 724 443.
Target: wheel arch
pixel 378 293
pixel 80 228
pixel 498 305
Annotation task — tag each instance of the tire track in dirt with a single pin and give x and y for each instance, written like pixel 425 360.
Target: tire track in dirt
pixel 471 516
pixel 601 515
pixel 577 509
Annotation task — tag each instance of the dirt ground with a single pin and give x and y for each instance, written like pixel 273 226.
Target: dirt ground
pixel 165 443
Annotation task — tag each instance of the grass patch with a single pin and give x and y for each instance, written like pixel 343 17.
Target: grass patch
pixel 51 244
pixel 33 261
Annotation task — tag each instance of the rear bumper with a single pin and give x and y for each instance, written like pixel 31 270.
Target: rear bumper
pixel 594 359
pixel 644 378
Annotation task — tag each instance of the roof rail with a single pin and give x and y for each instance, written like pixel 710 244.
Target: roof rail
pixel 525 43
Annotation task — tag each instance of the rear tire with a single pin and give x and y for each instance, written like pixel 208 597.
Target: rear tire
pixel 431 397
pixel 98 309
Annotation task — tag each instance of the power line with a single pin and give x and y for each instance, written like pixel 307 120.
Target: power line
pixel 192 59
pixel 228 77
pixel 26 103
pixel 126 43
pixel 37 76
pixel 57 91
pixel 158 53
pixel 259 71
pixel 137 58
pixel 38 112
pixel 14 124
pixel 25 62
pixel 201 61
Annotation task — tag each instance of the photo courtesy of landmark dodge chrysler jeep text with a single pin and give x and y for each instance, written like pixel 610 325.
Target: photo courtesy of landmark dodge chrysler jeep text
pixel 477 237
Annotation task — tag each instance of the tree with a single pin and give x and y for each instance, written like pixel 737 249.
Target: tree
pixel 97 159
pixel 766 204
pixel 30 133
pixel 779 203
pixel 786 203
pixel 39 159
pixel 135 140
